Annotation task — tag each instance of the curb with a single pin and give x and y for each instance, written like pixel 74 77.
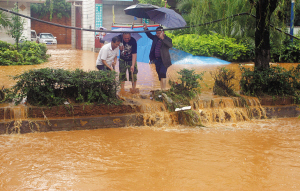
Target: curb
pixel 121 120
pixel 70 124
pixel 282 111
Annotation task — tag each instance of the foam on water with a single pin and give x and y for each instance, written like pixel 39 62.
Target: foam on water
pixel 181 57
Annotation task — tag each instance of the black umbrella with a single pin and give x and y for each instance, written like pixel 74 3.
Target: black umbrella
pixel 166 17
pixel 139 10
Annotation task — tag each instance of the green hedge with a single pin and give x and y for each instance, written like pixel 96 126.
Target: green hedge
pixel 272 81
pixel 287 52
pixel 213 45
pixel 49 87
pixel 29 53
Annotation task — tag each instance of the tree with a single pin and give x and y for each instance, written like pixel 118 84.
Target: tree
pixel 59 7
pixel 16 27
pixel 255 32
pixel 160 3
pixel 264 10
pixel 4 20
pixel 197 12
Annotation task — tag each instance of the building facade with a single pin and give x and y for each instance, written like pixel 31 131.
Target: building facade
pixel 92 14
pixel 24 8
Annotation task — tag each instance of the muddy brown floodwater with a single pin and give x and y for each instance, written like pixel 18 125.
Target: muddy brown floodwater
pixel 64 56
pixel 252 155
pixel 256 155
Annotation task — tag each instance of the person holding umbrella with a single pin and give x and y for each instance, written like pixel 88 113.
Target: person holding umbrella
pixel 159 53
pixel 127 61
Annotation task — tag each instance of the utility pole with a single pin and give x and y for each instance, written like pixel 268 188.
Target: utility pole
pixel 292 19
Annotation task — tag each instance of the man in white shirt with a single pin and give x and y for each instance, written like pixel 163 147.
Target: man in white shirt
pixel 107 57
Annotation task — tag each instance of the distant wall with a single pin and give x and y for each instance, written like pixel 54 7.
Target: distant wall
pixel 296 30
pixel 63 35
pixel 24 8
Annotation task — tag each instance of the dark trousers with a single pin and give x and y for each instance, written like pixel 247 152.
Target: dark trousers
pixel 160 68
pixel 102 67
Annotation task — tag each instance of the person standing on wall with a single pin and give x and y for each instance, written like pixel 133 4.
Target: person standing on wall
pixel 108 55
pixel 159 53
pixel 128 62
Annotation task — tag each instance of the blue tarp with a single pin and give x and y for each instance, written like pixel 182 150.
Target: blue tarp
pixel 181 57
pixel 144 44
pixel 177 56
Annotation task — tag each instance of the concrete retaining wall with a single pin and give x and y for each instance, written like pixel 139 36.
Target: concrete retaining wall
pixel 282 111
pixel 122 120
pixel 70 124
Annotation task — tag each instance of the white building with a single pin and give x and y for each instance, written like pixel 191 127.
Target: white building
pixel 24 8
pixel 92 14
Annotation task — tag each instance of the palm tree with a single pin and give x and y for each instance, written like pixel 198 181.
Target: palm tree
pixel 198 12
pixel 4 20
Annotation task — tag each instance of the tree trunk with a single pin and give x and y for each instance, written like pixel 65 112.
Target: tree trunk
pixel 264 10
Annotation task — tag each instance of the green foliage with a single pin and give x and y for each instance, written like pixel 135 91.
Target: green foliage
pixel 4 45
pixel 272 81
pixel 189 85
pixel 59 7
pixel 283 12
pixel 213 45
pixel 204 11
pixel 29 53
pixel 16 26
pixel 187 88
pixel 11 57
pixel 2 96
pixel 160 3
pixel 6 95
pixel 189 117
pixel 242 28
pixel 228 49
pixel 4 20
pixel 181 94
pixel 55 86
pixel 287 51
pixel 223 82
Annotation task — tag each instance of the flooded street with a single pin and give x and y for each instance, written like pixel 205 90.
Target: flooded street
pixel 64 56
pixel 251 155
pixel 256 155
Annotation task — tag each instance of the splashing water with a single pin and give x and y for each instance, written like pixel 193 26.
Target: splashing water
pixel 180 57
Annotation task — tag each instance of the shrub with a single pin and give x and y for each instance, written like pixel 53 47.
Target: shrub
pixel 271 81
pixel 189 85
pixel 180 95
pixel 213 45
pixel 4 45
pixel 228 49
pixel 29 53
pixel 55 86
pixel 223 82
pixel 288 51
pixel 11 57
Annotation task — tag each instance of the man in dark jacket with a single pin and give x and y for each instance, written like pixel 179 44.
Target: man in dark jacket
pixel 159 53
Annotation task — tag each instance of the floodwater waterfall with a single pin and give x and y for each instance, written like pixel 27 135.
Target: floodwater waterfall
pixel 14 115
pixel 229 109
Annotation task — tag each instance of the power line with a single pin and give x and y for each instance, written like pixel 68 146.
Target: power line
pixel 111 31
